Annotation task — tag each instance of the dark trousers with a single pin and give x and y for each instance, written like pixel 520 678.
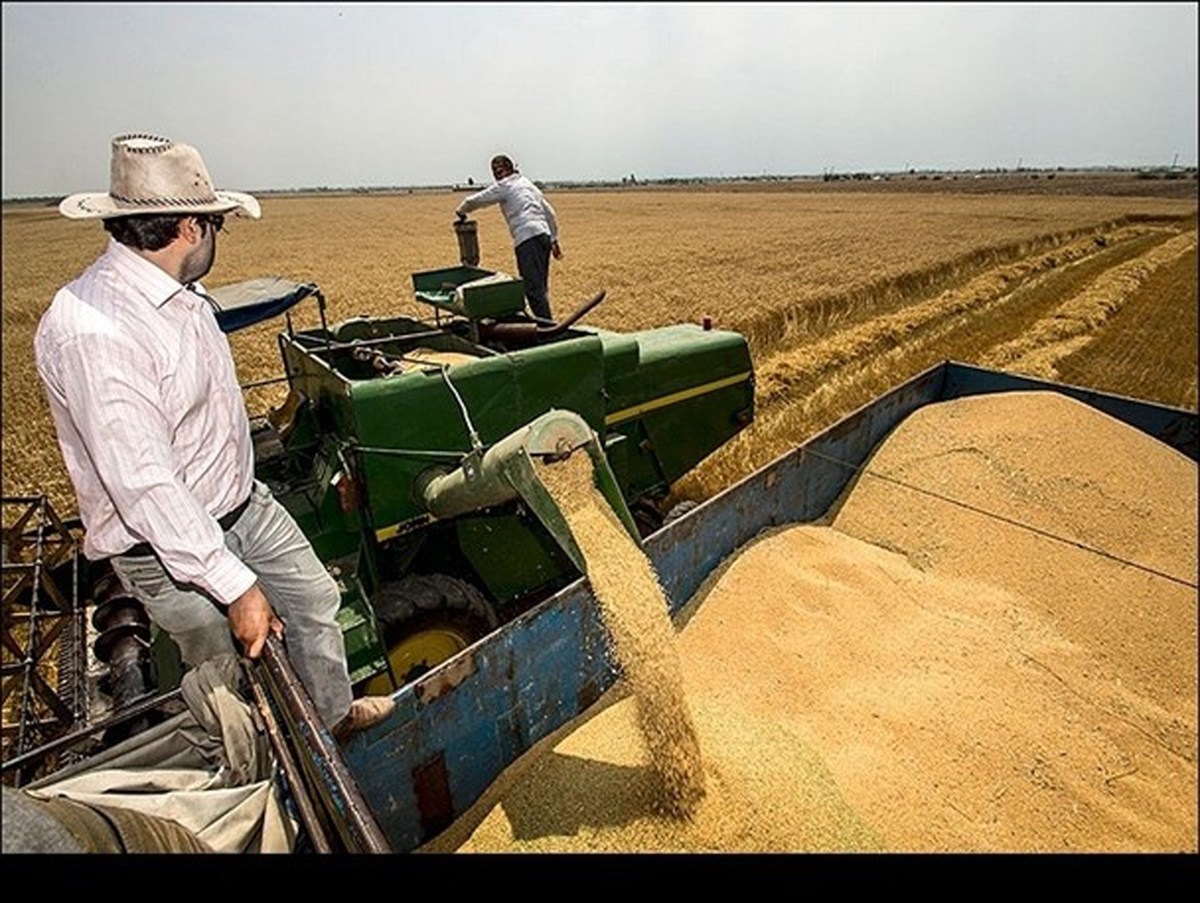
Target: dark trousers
pixel 533 264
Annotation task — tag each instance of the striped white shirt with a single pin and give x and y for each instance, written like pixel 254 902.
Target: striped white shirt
pixel 525 208
pixel 150 418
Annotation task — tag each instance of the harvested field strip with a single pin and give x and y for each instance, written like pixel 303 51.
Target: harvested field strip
pixel 802 391
pixel 785 327
pixel 1149 344
pixel 989 309
pixel 1018 288
pixel 1078 321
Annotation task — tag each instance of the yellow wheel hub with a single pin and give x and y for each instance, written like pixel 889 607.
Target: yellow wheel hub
pixel 417 653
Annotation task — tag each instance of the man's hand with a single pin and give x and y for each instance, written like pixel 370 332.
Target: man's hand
pixel 556 251
pixel 251 620
pixel 462 217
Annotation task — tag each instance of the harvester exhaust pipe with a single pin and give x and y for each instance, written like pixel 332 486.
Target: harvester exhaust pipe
pixel 505 472
pixel 528 333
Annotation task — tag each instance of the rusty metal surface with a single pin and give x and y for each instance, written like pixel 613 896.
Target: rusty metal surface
pixel 310 817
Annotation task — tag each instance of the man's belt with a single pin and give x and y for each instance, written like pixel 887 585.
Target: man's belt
pixel 145 550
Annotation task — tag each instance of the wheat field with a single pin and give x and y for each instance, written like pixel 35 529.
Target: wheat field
pixel 841 293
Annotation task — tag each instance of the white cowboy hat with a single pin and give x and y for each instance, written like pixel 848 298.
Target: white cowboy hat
pixel 156 175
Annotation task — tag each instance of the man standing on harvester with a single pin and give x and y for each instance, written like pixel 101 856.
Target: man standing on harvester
pixel 531 221
pixel 153 429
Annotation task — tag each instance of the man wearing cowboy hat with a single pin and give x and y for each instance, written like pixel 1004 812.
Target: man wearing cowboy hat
pixel 153 430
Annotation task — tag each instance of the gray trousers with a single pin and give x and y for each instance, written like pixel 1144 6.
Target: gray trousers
pixel 301 591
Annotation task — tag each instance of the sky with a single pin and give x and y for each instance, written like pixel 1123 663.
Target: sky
pixel 281 96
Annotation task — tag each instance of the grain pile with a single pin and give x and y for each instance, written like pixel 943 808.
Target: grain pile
pixel 990 645
pixel 635 613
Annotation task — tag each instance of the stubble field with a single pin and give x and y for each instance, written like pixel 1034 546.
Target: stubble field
pixel 842 293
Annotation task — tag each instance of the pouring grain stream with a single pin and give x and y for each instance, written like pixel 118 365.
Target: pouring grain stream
pixel 636 614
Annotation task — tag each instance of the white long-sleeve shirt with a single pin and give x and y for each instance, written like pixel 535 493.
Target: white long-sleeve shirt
pixel 525 208
pixel 150 418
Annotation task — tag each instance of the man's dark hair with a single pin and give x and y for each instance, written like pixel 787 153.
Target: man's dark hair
pixel 145 232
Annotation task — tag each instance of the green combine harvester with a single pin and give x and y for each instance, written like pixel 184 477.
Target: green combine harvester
pixel 405 448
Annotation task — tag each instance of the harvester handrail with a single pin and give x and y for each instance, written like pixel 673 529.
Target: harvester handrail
pixel 366 343
pixel 406 452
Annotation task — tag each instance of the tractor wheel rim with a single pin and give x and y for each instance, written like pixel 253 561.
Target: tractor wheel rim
pixel 422 651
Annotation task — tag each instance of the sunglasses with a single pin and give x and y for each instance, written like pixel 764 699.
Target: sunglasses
pixel 214 220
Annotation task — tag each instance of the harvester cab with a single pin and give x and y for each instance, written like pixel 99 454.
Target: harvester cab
pixel 405 447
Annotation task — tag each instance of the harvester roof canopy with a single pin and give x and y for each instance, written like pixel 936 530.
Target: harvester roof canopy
pixel 243 304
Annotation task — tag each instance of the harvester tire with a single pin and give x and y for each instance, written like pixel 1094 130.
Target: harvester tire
pixel 426 618
pixel 679 509
pixel 646 517
pixel 649 517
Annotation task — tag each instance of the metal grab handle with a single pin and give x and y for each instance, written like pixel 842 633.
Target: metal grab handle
pixel 333 780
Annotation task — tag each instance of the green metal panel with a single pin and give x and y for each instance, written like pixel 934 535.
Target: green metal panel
pixel 365 652
pixel 496 299
pixel 634 460
pixel 620 459
pixel 622 354
pixel 317 507
pixel 684 433
pixel 407 423
pixel 675 359
pixel 437 280
pixel 511 554
pixel 684 395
